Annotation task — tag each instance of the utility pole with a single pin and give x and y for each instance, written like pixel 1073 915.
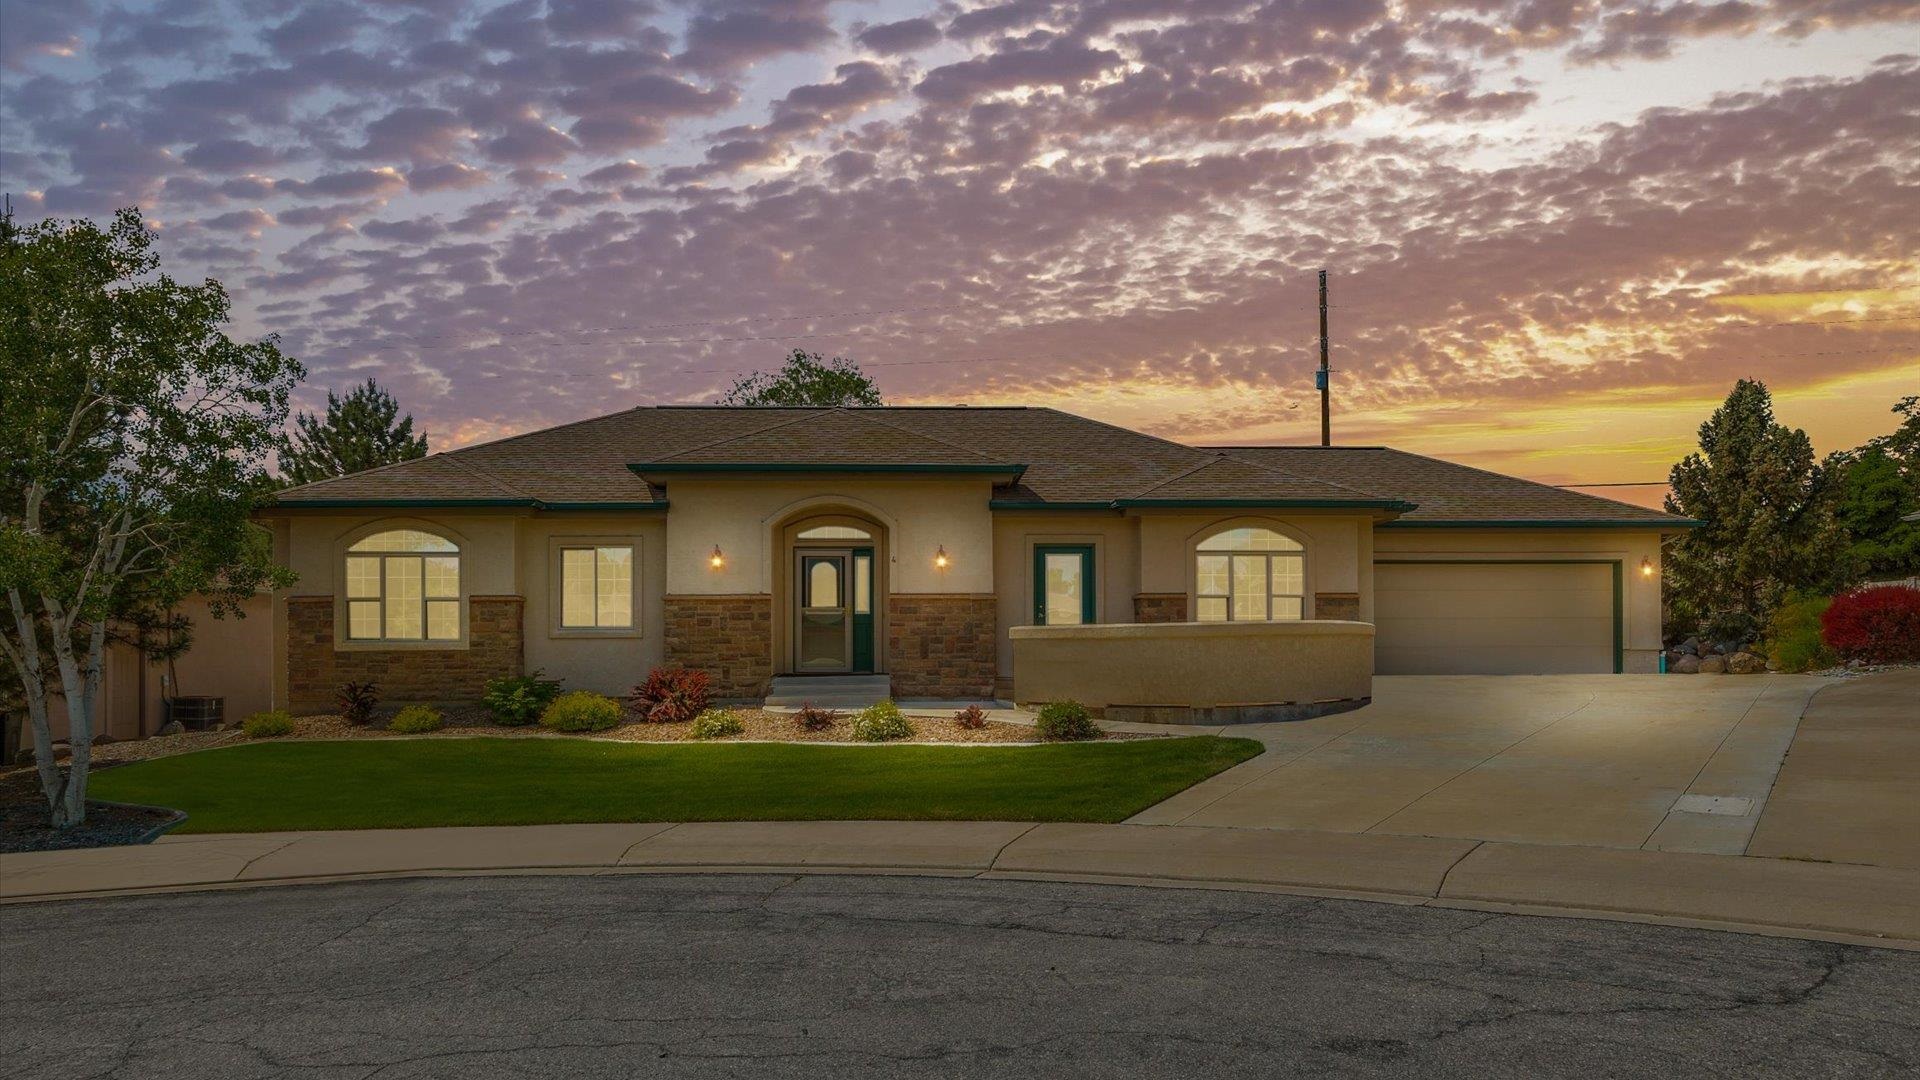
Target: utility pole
pixel 1320 377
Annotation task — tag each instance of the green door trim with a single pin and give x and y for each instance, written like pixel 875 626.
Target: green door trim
pixel 1619 588
pixel 1088 586
pixel 862 622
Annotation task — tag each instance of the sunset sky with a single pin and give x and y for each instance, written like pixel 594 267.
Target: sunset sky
pixel 1558 230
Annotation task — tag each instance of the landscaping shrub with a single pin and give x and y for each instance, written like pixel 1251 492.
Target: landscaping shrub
pixel 812 719
pixel 1878 625
pixel 356 702
pixel 581 710
pixel 516 700
pixel 717 724
pixel 1065 721
pixel 1793 636
pixel 881 723
pixel 268 725
pixel 416 720
pixel 672 695
pixel 971 718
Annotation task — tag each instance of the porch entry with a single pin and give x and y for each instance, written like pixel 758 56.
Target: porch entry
pixel 833 610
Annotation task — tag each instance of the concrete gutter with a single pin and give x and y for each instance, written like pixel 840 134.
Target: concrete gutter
pixel 1851 903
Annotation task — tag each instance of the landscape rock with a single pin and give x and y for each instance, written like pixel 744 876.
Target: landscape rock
pixel 1713 665
pixel 103 739
pixel 1691 646
pixel 23 756
pixel 172 727
pixel 1746 663
pixel 1687 665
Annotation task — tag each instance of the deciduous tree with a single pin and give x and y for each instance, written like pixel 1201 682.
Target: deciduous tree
pixel 806 379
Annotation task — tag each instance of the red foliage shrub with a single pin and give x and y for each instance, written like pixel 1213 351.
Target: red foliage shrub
pixel 1880 625
pixel 813 719
pixel 971 718
pixel 671 695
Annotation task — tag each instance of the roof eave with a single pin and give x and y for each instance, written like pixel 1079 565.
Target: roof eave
pixel 1660 525
pixel 460 504
pixel 1399 505
pixel 747 468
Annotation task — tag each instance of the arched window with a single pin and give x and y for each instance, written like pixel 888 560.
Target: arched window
pixel 403 585
pixel 833 532
pixel 1249 574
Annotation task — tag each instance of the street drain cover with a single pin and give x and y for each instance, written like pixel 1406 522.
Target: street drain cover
pixel 1730 805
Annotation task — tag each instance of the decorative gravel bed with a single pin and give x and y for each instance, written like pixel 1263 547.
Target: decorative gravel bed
pixel 24 827
pixel 759 725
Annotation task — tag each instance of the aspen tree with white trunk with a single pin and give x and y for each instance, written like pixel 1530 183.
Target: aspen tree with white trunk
pixel 133 443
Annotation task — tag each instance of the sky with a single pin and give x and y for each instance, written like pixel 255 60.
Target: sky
pixel 1556 231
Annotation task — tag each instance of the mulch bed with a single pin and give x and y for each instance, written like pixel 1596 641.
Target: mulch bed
pixel 24 827
pixel 759 725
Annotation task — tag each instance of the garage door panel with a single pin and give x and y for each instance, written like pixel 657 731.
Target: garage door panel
pixel 1494 619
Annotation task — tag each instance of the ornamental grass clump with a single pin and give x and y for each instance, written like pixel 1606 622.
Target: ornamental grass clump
pixel 717 724
pixel 809 718
pixel 882 723
pixel 671 695
pixel 1065 721
pixel 517 700
pixel 268 725
pixel 1793 636
pixel 581 710
pixel 356 702
pixel 416 720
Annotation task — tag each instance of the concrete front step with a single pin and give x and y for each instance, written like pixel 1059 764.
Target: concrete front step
pixel 829 691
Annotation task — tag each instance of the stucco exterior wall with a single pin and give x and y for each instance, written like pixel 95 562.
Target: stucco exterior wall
pixel 1195 665
pixel 1335 550
pixel 1116 566
pixel 606 661
pixel 1640 600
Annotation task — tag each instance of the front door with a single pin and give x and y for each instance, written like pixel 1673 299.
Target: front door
pixel 823 638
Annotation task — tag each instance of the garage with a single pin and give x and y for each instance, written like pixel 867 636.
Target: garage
pixel 1436 617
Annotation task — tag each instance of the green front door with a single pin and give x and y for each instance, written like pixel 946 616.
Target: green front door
pixel 1063 584
pixel 863 610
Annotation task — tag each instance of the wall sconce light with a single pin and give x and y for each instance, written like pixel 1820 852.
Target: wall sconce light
pixel 940 559
pixel 716 560
pixel 1646 567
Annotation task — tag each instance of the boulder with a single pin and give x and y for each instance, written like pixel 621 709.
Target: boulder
pixel 23 756
pixel 1746 663
pixel 172 727
pixel 103 739
pixel 1713 665
pixel 1687 665
pixel 1691 646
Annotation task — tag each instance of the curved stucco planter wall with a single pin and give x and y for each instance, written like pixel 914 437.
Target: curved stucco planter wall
pixel 1171 671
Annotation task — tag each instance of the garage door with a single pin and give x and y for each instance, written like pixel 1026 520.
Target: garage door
pixel 1457 618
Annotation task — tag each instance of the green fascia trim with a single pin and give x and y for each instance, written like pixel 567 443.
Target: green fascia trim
pixel 1558 523
pixel 456 504
pixel 807 467
pixel 1619 588
pixel 1329 504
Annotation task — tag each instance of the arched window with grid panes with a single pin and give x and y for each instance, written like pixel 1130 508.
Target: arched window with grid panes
pixel 1249 573
pixel 403 585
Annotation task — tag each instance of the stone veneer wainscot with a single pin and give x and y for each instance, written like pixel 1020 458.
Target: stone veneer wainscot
pixel 1336 606
pixel 941 645
pixel 317 667
pixel 728 637
pixel 1159 607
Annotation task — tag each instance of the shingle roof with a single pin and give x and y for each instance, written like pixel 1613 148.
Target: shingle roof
pixel 1067 460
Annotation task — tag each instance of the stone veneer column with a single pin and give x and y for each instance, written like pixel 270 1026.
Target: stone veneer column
pixel 728 637
pixel 317 666
pixel 1159 607
pixel 941 645
pixel 1336 606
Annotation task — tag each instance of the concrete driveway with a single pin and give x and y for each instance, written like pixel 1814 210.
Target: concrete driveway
pixel 1672 763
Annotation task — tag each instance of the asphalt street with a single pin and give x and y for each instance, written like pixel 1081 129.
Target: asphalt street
pixel 781 976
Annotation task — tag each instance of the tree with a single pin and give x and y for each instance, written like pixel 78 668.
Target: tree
pixel 1768 512
pixel 806 379
pixel 1879 484
pixel 364 430
pixel 132 449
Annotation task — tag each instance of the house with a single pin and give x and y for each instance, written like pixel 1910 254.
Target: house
pixel 756 543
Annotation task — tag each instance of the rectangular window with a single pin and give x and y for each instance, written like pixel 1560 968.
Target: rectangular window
pixel 596 587
pixel 1254 586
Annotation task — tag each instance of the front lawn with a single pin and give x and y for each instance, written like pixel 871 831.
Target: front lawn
pixel 491 781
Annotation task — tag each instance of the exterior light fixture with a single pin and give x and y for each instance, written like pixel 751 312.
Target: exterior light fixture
pixel 1646 567
pixel 940 559
pixel 716 560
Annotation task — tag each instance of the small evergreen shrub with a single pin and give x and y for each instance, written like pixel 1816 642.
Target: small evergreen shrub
pixel 717 724
pixel 416 720
pixel 812 719
pixel 881 723
pixel 971 718
pixel 1878 625
pixel 1065 721
pixel 356 702
pixel 517 700
pixel 581 710
pixel 672 695
pixel 1793 636
pixel 268 725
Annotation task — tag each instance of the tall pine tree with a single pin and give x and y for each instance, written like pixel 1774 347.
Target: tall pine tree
pixel 1768 509
pixel 363 430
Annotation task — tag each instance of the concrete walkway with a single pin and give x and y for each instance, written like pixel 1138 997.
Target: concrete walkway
pixel 1859 904
pixel 1658 763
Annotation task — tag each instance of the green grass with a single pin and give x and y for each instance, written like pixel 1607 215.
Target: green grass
pixel 482 781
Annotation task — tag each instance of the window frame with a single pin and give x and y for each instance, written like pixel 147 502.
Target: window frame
pixel 1196 551
pixel 1089 581
pixel 598 596
pixel 344 638
pixel 557 546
